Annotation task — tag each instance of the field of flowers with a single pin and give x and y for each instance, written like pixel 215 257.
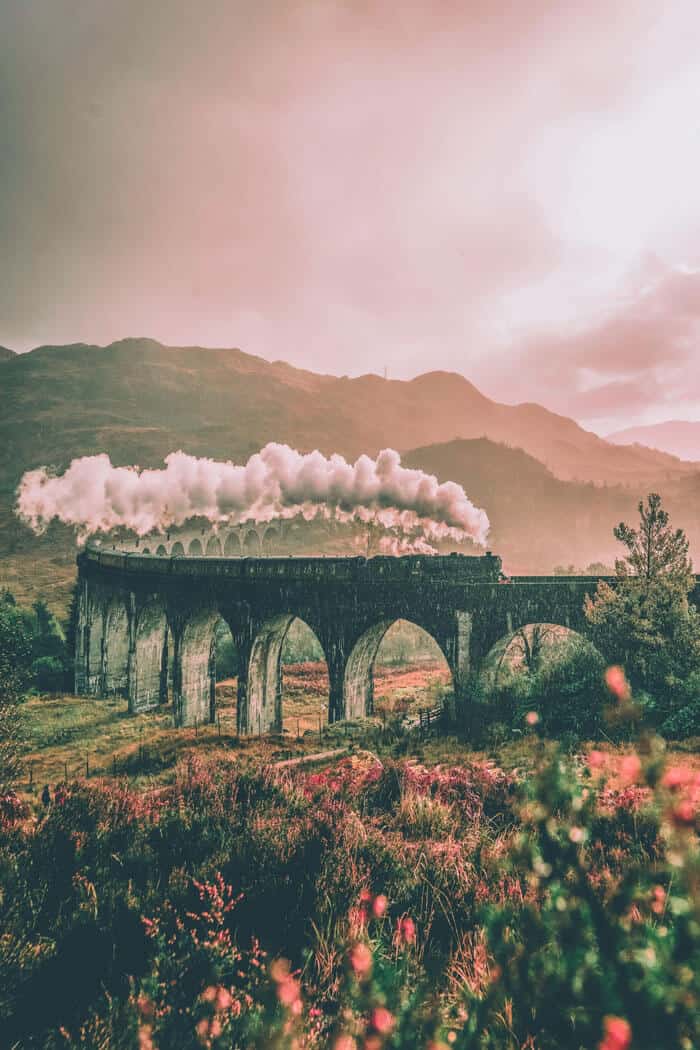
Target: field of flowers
pixel 379 902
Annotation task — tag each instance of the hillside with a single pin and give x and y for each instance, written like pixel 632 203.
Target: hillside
pixel 6 354
pixel 677 437
pixel 139 400
pixel 537 520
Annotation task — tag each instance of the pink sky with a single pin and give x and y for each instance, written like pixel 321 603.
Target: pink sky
pixel 509 191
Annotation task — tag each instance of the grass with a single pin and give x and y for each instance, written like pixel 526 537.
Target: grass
pixel 68 737
pixel 46 575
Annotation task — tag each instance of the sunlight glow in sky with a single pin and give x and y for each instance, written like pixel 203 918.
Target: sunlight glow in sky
pixel 514 195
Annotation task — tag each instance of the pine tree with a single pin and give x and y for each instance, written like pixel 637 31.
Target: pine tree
pixel 646 621
pixel 655 549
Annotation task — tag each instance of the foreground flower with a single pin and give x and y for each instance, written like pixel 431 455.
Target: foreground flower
pixel 658 902
pixel 345 1042
pixel 406 931
pixel 382 1020
pixel 683 814
pixel 617 1034
pixel 379 906
pixel 596 760
pixel 288 987
pixel 630 768
pixel 617 683
pixel 360 960
pixel 676 777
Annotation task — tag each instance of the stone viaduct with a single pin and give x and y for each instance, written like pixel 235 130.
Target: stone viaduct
pixel 247 539
pixel 145 619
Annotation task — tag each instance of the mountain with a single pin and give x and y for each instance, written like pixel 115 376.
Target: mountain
pixel 676 437
pixel 6 354
pixel 139 400
pixel 539 521
pixel 552 490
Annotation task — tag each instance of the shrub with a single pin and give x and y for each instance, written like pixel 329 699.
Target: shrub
pixel 569 691
pixel 48 674
pixel 566 689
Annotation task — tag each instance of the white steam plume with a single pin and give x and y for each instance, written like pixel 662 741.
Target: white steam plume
pixel 95 496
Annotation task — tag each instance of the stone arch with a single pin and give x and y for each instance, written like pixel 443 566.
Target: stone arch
pixel 115 649
pixel 264 680
pixel 148 685
pixel 194 684
pixel 177 550
pixel 161 550
pixel 270 537
pixel 213 548
pixel 232 545
pixel 252 544
pixel 146 550
pixel 410 670
pixel 195 549
pixel 522 648
pixel 358 685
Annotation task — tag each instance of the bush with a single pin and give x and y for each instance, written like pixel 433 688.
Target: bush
pixel 569 691
pixel 683 723
pixel 15 642
pixel 566 689
pixel 32 646
pixel 48 674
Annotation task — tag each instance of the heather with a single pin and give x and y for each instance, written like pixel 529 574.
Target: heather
pixel 375 902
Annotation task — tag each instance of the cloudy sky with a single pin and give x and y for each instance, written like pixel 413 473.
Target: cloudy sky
pixel 509 190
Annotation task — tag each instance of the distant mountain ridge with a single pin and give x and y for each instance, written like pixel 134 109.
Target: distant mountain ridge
pixel 677 437
pixel 6 353
pixel 139 400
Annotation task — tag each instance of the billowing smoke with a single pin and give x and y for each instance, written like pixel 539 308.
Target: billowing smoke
pixel 409 506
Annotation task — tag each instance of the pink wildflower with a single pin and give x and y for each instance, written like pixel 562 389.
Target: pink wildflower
pixel 382 1020
pixel 406 930
pixel 379 906
pixel 630 768
pixel 361 960
pixel 596 760
pixel 617 683
pixel 617 1034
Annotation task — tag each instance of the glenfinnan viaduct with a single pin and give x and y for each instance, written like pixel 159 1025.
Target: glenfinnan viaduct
pixel 145 619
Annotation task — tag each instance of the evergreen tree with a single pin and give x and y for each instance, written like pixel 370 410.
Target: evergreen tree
pixel 654 549
pixel 646 622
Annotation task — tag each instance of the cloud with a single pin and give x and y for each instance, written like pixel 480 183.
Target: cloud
pixel 642 354
pixel 347 185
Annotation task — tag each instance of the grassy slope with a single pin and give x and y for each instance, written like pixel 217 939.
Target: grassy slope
pixel 78 736
pixel 139 400
pixel 66 731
